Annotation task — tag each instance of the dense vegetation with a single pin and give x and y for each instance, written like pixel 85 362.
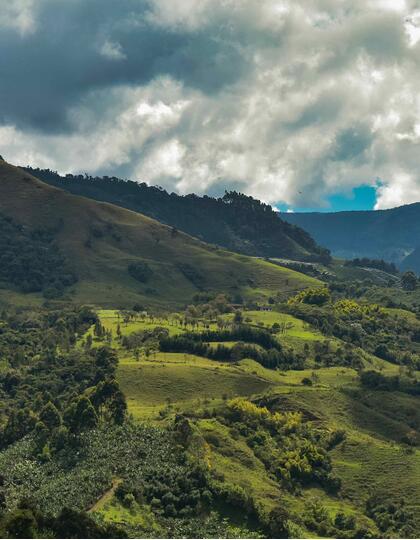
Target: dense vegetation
pixel 269 354
pixel 75 464
pixel 56 395
pixel 244 224
pixel 373 263
pixel 31 261
pixel 385 334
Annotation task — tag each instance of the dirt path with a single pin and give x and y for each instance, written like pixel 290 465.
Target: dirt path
pixel 107 496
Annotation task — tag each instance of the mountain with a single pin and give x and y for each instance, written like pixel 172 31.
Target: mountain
pixel 64 246
pixel 237 222
pixel 412 261
pixel 391 235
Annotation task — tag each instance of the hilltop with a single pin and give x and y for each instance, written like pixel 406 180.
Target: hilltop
pixel 391 235
pixel 112 256
pixel 235 221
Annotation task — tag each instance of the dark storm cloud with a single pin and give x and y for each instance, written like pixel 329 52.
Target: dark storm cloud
pixel 287 100
pixel 45 73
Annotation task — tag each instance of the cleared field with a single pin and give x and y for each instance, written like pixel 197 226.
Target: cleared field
pixel 290 327
pixel 111 319
pixel 182 379
pixel 335 377
pixel 138 515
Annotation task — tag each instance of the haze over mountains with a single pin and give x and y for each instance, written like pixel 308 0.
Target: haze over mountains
pixel 392 235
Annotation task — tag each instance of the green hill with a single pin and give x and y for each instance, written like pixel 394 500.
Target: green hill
pixel 391 235
pixel 112 256
pixel 235 221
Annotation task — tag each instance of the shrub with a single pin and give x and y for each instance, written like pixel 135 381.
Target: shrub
pixel 140 271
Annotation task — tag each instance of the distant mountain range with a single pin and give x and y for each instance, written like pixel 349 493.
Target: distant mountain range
pixel 236 222
pixel 392 235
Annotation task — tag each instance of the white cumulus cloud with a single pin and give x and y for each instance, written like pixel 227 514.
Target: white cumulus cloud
pixel 289 101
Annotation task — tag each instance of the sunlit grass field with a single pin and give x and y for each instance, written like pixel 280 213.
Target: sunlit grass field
pixel 371 458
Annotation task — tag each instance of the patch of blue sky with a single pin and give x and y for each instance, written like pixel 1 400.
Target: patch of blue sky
pixel 360 198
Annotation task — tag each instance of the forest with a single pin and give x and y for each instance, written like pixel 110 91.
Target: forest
pixel 245 224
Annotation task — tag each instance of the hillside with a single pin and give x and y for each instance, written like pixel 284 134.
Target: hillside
pixel 412 261
pixel 235 221
pixel 112 256
pixel 382 234
pixel 272 428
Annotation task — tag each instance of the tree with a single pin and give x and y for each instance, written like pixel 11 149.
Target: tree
pixel 21 524
pixel 41 435
pixel 409 281
pixel 81 415
pixel 118 407
pixel 18 425
pixel 50 416
pixel 105 358
pixel 89 342
pixel 98 330
pixel 108 394
pixel 277 523
pixel 238 317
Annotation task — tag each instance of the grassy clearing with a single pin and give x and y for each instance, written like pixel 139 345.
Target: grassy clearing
pixel 181 379
pixel 291 327
pixel 294 332
pixel 111 319
pixel 138 516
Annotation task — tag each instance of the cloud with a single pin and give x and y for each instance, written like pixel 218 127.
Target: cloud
pixel 17 15
pixel 404 189
pixel 112 50
pixel 289 101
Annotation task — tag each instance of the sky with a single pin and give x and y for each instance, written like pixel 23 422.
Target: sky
pixel 304 104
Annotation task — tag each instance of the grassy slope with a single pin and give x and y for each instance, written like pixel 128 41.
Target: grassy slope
pixel 183 380
pixel 371 458
pixel 119 237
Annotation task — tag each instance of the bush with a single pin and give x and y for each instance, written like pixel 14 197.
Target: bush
pixel 140 271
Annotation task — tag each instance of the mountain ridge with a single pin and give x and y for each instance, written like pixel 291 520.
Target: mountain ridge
pixel 244 224
pixel 390 234
pixel 122 257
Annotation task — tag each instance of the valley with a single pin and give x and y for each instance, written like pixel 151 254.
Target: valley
pixel 153 385
pixel 209 269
